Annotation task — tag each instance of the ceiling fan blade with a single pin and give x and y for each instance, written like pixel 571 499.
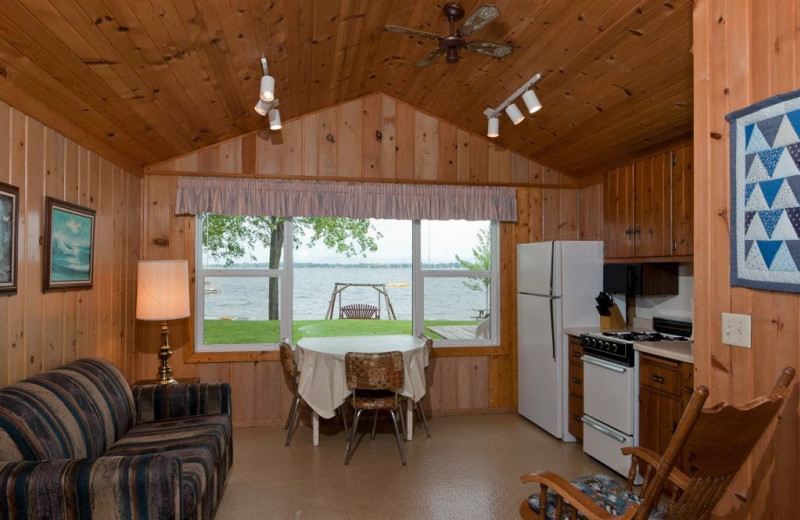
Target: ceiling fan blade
pixel 427 60
pixel 411 32
pixel 482 15
pixel 498 50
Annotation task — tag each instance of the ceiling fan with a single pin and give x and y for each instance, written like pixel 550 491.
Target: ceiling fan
pixel 450 45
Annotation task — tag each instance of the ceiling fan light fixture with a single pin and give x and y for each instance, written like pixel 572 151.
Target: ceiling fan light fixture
pixel 494 127
pixel 274 119
pixel 267 88
pixel 514 113
pixel 532 102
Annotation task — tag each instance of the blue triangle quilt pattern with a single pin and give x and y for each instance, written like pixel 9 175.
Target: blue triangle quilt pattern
pixel 765 194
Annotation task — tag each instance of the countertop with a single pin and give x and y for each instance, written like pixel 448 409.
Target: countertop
pixel 674 350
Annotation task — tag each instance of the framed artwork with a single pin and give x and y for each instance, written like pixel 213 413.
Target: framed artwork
pixel 9 231
pixel 69 246
pixel 765 194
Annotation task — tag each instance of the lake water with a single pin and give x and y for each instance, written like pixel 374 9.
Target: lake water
pixel 246 298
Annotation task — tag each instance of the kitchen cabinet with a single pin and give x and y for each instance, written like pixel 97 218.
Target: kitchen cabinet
pixel 575 426
pixel 648 207
pixel 665 387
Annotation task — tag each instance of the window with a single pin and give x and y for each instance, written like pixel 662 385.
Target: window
pixel 263 278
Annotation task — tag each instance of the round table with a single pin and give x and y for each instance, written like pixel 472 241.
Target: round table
pixel 322 383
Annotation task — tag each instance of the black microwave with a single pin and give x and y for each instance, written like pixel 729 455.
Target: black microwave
pixel 656 279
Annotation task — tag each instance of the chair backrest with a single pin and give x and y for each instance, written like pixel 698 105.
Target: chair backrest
pixel 381 371
pixel 717 440
pixel 359 311
pixel 288 363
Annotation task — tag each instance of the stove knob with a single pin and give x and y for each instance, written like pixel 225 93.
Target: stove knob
pixel 593 342
pixel 605 345
pixel 584 341
pixel 614 348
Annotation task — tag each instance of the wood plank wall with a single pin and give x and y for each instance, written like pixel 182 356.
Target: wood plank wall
pixel 441 153
pixel 38 331
pixel 744 52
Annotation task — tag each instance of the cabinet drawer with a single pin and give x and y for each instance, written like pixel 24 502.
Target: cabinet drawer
pixel 575 352
pixel 576 380
pixel 661 378
pixel 575 413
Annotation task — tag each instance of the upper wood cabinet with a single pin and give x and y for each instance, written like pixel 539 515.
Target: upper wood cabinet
pixel 648 207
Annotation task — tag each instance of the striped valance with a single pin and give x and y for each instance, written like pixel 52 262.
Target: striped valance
pixel 283 198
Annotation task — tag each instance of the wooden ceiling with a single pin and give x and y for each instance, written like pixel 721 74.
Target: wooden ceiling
pixel 142 81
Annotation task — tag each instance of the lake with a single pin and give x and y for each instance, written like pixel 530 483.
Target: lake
pixel 246 298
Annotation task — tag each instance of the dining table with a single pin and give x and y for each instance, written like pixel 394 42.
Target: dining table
pixel 322 383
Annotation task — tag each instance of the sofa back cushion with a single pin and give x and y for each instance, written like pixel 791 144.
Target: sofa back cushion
pixel 75 411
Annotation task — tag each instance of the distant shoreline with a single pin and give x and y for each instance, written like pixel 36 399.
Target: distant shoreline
pixel 304 265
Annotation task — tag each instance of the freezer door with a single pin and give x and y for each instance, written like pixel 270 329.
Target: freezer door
pixel 579 280
pixel 534 268
pixel 541 399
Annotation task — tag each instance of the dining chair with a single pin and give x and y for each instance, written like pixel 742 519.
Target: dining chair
pixel 375 379
pixel 292 376
pixel 717 440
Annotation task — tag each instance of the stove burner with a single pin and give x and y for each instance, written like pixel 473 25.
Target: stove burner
pixel 652 337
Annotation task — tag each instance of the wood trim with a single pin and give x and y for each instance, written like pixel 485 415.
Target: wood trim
pixel 651 260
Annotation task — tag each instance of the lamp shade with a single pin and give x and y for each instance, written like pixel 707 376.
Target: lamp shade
pixel 532 103
pixel 514 114
pixel 274 119
pixel 494 127
pixel 267 88
pixel 162 290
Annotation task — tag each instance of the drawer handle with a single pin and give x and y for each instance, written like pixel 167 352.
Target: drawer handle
pixel 576 418
pixel 658 379
pixel 576 380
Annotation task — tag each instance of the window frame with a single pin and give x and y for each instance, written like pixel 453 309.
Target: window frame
pixel 286 276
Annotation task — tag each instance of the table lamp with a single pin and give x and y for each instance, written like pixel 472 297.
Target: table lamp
pixel 162 293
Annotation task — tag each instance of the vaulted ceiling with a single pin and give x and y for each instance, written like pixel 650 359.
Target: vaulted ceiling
pixel 142 81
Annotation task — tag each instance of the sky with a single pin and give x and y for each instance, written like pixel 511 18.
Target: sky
pixel 441 241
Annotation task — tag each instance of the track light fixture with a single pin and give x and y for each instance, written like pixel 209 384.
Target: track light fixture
pixel 267 103
pixel 532 104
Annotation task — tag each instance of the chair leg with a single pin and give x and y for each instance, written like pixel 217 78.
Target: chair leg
pixel 402 415
pixel 344 421
pixel 293 418
pixel 421 414
pixel 291 413
pixel 374 423
pixel 397 435
pixel 348 451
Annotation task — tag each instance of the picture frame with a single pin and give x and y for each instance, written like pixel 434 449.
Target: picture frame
pixel 9 237
pixel 68 246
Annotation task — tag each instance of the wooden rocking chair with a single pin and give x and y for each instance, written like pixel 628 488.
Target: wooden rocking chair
pixel 718 441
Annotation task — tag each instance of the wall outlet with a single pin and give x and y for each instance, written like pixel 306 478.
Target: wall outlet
pixel 736 329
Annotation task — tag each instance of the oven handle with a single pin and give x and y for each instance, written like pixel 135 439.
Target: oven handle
pixel 604 364
pixel 592 423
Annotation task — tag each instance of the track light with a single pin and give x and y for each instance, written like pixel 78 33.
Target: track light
pixel 274 119
pixel 494 127
pixel 511 109
pixel 531 101
pixel 261 108
pixel 514 114
pixel 267 91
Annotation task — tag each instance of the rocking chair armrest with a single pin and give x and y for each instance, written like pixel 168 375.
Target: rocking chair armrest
pixel 571 494
pixel 676 476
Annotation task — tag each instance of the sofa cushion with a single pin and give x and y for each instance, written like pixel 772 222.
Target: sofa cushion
pixel 76 411
pixel 203 445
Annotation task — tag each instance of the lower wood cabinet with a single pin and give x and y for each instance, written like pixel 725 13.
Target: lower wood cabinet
pixel 665 387
pixel 575 426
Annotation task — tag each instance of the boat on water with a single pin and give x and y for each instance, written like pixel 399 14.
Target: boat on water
pixel 208 289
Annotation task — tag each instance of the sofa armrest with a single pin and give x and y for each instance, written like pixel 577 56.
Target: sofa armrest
pixel 158 402
pixel 138 486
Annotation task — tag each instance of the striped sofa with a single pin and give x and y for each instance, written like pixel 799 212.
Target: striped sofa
pixel 78 443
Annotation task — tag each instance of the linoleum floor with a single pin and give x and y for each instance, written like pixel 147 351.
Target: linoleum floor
pixel 468 469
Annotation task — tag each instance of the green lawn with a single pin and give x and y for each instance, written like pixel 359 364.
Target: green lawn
pixel 219 332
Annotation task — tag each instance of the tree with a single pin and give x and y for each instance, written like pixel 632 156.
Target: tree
pixel 482 253
pixel 230 238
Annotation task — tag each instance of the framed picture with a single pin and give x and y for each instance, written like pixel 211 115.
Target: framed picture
pixel 9 230
pixel 69 246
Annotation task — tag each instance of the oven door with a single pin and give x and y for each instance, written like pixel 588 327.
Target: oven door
pixel 609 393
pixel 605 444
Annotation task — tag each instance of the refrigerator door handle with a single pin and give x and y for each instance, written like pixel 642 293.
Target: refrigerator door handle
pixel 552 269
pixel 552 329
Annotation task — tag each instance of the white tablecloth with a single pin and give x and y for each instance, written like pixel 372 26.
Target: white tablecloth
pixel 321 363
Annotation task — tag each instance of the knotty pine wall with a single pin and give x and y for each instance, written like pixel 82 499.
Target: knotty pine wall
pixel 745 51
pixel 375 138
pixel 38 331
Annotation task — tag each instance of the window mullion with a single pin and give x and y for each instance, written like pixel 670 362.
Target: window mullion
pixel 287 277
pixel 417 280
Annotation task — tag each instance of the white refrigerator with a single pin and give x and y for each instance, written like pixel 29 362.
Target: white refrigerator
pixel 557 283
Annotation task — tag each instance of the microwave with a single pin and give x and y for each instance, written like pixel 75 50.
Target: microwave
pixel 652 279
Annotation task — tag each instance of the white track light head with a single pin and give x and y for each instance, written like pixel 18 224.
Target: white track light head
pixel 532 103
pixel 261 108
pixel 274 119
pixel 514 114
pixel 494 127
pixel 267 88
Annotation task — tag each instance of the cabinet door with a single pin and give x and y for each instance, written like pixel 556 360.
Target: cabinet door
pixel 683 201
pixel 658 418
pixel 618 212
pixel 652 203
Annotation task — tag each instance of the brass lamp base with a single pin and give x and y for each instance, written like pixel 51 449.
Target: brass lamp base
pixel 165 370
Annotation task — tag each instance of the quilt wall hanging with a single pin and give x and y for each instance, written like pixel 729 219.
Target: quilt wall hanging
pixel 765 194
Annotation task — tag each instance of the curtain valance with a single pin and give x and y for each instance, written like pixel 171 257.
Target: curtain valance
pixel 290 198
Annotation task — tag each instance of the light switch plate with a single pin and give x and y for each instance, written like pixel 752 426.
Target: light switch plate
pixel 736 329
